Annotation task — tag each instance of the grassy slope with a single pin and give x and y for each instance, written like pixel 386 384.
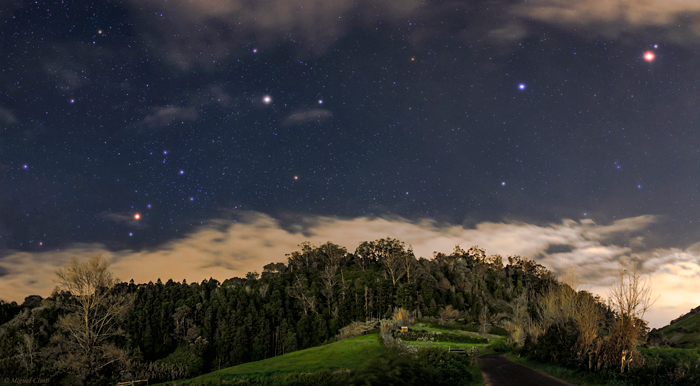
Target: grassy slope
pixel 685 333
pixel 445 345
pixel 346 354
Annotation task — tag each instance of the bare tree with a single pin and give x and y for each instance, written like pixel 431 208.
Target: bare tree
pixel 394 265
pixel 329 278
pixel 94 315
pixel 300 291
pixel 630 298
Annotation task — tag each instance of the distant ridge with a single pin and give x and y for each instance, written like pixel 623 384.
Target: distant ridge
pixel 684 331
pixel 689 314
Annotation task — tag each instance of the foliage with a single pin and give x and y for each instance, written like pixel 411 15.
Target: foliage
pixel 437 337
pixel 289 307
pixel 356 329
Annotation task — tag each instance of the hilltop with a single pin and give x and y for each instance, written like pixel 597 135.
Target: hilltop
pixel 684 332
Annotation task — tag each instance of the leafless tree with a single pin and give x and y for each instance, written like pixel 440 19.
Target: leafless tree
pixel 329 278
pixel 394 265
pixel 300 291
pixel 94 313
pixel 630 297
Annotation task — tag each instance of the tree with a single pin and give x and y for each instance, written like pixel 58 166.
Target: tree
pixel 630 299
pixel 94 311
pixel 300 291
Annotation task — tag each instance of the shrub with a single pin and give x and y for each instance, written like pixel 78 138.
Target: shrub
pixel 356 329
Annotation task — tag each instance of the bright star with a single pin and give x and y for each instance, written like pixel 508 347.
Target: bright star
pixel 503 183
pixel 137 216
pixel 267 99
pixel 182 172
pixel 649 56
pixel 320 101
pixel 522 86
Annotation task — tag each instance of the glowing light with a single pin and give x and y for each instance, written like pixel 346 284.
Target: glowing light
pixel 522 86
pixel 320 101
pixel 137 216
pixel 296 178
pixel 649 56
pixel 267 99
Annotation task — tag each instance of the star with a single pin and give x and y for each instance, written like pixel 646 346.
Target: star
pixel 267 99
pixel 137 216
pixel 522 86
pixel 649 56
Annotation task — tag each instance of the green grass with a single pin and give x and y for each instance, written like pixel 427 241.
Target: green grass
pixel 684 333
pixel 445 345
pixel 346 354
pixel 442 330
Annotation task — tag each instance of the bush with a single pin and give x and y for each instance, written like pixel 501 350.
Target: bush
pixel 431 336
pixel 356 329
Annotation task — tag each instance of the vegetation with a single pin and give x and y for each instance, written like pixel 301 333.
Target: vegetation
pixel 683 332
pixel 253 327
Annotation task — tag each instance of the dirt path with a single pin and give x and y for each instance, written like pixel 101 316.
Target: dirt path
pixel 499 371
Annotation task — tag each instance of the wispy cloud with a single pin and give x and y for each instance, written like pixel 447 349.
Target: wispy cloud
pixel 677 20
pixel 165 115
pixel 224 248
pixel 313 115
pixel 127 219
pixel 211 30
pixel 6 116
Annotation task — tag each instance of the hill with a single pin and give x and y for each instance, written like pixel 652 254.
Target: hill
pixel 343 355
pixel 684 332
pixel 360 360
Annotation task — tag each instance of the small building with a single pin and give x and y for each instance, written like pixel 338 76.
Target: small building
pixel 404 329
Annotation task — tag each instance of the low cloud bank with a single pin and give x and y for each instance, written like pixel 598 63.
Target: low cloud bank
pixel 222 249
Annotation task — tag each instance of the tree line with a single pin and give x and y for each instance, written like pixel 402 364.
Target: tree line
pixel 96 330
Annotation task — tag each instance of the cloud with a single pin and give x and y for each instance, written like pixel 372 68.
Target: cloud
pixel 7 117
pixel 224 248
pixel 210 30
pixel 126 219
pixel 680 18
pixel 165 115
pixel 313 115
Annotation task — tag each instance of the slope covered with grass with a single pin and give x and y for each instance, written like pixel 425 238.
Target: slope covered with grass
pixel 345 354
pixel 685 331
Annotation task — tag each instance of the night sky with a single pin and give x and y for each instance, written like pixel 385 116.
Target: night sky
pixel 131 127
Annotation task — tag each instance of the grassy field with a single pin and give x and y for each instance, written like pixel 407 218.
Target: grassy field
pixel 684 333
pixel 346 354
pixel 445 345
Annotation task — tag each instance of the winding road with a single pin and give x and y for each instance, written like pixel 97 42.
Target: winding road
pixel 499 371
